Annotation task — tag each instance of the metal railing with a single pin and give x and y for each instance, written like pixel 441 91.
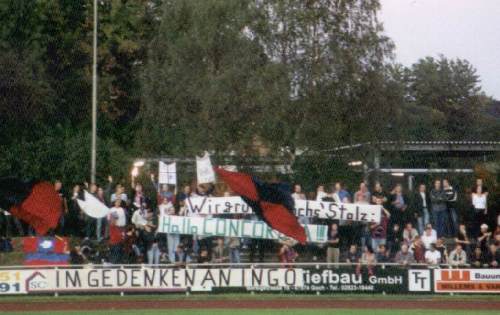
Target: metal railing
pixel 237 265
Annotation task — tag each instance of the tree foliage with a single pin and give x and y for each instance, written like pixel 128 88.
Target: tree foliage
pixel 246 77
pixel 444 101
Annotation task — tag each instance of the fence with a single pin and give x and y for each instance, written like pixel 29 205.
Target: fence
pixel 316 278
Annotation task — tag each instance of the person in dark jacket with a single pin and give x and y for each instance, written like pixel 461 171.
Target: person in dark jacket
pixel 438 205
pixel 451 205
pixel 421 204
pixel 492 256
pixel 478 258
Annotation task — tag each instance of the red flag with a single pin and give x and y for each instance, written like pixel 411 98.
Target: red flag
pixel 269 202
pixel 37 204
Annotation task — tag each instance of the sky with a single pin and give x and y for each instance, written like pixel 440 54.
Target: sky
pixel 466 29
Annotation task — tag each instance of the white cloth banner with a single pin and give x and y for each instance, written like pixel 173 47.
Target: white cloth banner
pixel 200 226
pixel 303 208
pixel 204 170
pixel 167 173
pixel 136 279
pixel 92 206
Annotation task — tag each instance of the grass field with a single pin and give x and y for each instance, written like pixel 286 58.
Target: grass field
pixel 246 296
pixel 265 312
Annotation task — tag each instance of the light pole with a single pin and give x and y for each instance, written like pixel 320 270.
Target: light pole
pixel 94 99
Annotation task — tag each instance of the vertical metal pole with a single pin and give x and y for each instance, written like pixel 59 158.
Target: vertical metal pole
pixel 376 164
pixel 94 99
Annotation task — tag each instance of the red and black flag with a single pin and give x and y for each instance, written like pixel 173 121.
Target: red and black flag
pixel 34 202
pixel 270 202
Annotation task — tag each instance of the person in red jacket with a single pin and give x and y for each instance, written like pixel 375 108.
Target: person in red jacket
pixel 116 236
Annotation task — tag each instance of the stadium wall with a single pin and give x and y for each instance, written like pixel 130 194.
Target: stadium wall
pixel 305 278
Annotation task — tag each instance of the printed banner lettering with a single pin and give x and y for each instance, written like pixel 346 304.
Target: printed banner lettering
pixel 467 280
pixel 303 208
pixel 13 281
pixel 391 279
pixel 346 279
pixel 157 279
pixel 232 228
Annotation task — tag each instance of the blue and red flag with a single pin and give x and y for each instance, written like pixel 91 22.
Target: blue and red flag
pixel 45 251
pixel 270 202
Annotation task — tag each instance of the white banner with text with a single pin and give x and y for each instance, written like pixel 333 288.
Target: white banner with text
pixel 148 279
pixel 303 208
pixel 205 226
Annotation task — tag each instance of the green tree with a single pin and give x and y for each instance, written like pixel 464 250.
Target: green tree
pixel 204 79
pixel 339 84
pixel 125 28
pixel 444 100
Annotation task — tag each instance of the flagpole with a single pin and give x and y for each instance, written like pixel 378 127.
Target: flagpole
pixel 94 100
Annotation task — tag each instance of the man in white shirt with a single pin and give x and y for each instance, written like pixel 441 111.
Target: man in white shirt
pixel 119 213
pixel 433 256
pixel 428 238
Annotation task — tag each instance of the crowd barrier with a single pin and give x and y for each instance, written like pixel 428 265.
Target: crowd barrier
pixel 315 278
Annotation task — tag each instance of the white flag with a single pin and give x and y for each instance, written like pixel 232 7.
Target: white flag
pixel 92 206
pixel 167 173
pixel 204 170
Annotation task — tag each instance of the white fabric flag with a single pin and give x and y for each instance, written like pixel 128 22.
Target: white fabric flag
pixel 92 206
pixel 167 173
pixel 204 170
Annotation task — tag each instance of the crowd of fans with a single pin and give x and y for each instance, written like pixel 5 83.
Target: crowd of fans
pixel 424 226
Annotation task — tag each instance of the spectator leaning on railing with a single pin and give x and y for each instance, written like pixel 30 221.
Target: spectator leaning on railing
pixel 353 254
pixel 368 259
pixel 286 253
pixel 478 258
pixel 433 256
pixel 220 253
pixel 418 250
pixel 382 254
pixel 428 237
pixel 457 257
pixel 409 233
pixel 404 256
pixel 493 256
